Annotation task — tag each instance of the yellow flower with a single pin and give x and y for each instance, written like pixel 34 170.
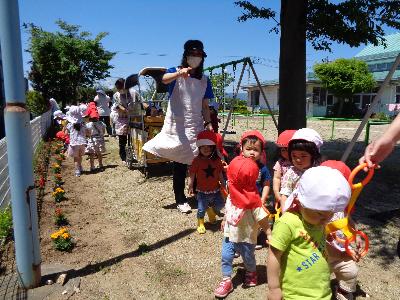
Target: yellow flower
pixel 56 165
pixel 55 235
pixel 63 230
pixel 66 235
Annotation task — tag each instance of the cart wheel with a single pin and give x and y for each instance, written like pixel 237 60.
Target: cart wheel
pixel 129 157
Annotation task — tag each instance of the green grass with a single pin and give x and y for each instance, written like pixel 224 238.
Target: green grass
pixel 5 223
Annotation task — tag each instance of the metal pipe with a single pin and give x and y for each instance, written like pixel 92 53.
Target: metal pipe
pixel 19 148
pixel 370 110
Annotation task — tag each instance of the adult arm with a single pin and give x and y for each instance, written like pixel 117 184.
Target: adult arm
pixel 273 274
pixel 378 150
pixel 169 77
pixel 206 115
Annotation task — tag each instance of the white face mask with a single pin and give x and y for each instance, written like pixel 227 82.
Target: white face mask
pixel 194 61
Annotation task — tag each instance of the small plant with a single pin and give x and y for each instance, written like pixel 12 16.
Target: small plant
pixel 58 179
pixel 62 240
pixel 59 194
pixel 60 219
pixel 143 248
pixel 56 168
pixel 5 223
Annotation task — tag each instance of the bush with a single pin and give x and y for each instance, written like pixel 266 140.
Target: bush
pixel 36 103
pixel 5 223
pixel 381 117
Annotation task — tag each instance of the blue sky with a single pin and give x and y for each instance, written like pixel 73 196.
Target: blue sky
pixel 152 32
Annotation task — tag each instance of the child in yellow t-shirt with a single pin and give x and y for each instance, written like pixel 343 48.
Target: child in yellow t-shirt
pixel 297 265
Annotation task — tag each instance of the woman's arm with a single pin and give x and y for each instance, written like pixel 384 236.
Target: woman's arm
pixel 273 274
pixel 206 115
pixel 169 77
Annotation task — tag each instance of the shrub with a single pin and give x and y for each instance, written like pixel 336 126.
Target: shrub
pixel 382 117
pixel 36 103
pixel 5 223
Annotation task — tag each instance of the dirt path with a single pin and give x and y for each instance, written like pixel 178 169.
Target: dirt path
pixel 133 244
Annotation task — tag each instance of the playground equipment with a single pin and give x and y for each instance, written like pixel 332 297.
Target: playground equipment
pixel 145 120
pixel 343 224
pixel 246 61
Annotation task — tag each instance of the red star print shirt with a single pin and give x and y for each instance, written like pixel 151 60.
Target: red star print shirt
pixel 207 172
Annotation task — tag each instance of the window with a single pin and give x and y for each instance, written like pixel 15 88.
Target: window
pixel 255 98
pixel 366 100
pixel 329 100
pixel 357 100
pixel 319 96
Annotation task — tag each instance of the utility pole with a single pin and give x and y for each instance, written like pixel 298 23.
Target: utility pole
pixel 19 148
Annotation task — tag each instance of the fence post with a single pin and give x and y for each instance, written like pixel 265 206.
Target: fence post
pixel 366 140
pixel 333 129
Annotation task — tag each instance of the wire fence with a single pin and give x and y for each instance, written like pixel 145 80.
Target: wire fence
pixel 39 127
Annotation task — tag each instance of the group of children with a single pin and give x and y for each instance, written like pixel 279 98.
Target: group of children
pixel 309 193
pixel 82 133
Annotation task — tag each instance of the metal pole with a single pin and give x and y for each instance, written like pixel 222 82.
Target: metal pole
pixel 19 148
pixel 263 94
pixel 333 129
pixel 370 110
pixel 367 134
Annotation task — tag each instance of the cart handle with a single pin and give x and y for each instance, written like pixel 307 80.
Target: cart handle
pixel 349 251
pixel 358 169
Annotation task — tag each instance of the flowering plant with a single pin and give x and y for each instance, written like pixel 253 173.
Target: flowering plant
pixel 60 219
pixel 58 179
pixel 62 240
pixel 56 168
pixel 59 194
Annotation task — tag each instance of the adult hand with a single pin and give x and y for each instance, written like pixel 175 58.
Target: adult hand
pixel 377 151
pixel 184 72
pixel 274 294
pixel 190 191
pixel 209 127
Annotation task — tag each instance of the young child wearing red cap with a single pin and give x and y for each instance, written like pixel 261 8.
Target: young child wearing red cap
pixel 252 146
pixel 206 169
pixel 304 153
pixel 283 163
pixel 341 264
pixel 95 136
pixel 244 215
pixel 297 267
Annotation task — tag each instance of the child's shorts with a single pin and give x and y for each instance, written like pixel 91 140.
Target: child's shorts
pixel 76 151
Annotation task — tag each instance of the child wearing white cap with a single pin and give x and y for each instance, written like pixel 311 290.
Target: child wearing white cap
pixel 304 152
pixel 297 265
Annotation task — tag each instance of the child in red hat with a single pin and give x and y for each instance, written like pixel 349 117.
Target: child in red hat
pixel 95 140
pixel 206 169
pixel 283 163
pixel 244 215
pixel 252 146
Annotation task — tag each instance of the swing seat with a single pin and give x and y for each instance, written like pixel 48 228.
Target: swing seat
pixel 228 132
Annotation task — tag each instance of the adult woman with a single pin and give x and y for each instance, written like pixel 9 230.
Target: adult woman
pixel 103 102
pixel 187 114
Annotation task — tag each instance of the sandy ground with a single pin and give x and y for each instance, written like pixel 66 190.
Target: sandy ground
pixel 131 242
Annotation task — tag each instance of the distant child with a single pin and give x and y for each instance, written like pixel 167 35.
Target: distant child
pixel 304 153
pixel 283 163
pixel 341 264
pixel 206 169
pixel 95 132
pixel 297 267
pixel 244 215
pixel 252 146
pixel 77 136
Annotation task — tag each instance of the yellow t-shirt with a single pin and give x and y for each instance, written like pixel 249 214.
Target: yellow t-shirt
pixel 304 269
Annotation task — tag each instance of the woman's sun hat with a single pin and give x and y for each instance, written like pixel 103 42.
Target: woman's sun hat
pixel 194 45
pixel 309 135
pixel 58 114
pixel 321 188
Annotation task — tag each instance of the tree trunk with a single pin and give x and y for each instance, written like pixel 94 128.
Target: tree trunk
pixel 292 65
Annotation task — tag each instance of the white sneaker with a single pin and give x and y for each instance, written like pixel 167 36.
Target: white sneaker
pixel 184 208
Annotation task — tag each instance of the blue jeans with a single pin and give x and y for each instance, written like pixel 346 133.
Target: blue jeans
pixel 205 200
pixel 246 250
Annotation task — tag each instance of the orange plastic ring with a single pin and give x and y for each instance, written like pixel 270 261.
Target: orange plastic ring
pixel 358 169
pixel 352 239
pixel 338 239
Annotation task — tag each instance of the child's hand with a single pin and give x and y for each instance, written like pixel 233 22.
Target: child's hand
pixel 356 254
pixel 275 294
pixel 190 190
pixel 222 225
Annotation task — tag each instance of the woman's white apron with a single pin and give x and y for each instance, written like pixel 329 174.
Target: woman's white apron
pixel 183 121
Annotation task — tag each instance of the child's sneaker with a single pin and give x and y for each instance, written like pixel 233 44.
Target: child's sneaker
pixel 342 295
pixel 250 279
pixel 236 255
pixel 258 247
pixel 77 173
pixel 224 288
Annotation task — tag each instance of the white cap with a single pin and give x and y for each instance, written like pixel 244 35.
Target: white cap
pixel 74 115
pixel 321 188
pixel 58 114
pixel 309 135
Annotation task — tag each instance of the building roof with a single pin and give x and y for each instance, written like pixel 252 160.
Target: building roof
pixel 372 52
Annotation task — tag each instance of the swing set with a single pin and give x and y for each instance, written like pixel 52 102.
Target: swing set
pixel 246 61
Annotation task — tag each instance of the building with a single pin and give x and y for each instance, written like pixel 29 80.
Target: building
pixel 320 101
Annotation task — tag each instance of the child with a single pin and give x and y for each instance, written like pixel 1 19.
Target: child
pixel 303 153
pixel 283 163
pixel 206 169
pixel 252 146
pixel 244 215
pixel 340 263
pixel 95 131
pixel 297 267
pixel 77 136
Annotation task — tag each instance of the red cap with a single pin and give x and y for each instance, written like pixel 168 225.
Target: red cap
pixel 284 138
pixel 242 176
pixel 220 145
pixel 206 137
pixel 255 133
pixel 338 165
